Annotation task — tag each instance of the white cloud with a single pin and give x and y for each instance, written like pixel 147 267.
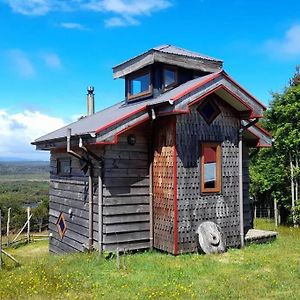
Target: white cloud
pixel 128 7
pixel 20 129
pixel 30 7
pixel 286 47
pixel 21 63
pixel 120 22
pixel 124 12
pixel 52 60
pixel 72 26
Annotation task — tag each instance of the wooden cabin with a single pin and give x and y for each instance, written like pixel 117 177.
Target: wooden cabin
pixel 145 172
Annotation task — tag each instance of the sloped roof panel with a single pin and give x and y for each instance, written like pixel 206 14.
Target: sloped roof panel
pixel 183 52
pixel 181 96
pixel 90 124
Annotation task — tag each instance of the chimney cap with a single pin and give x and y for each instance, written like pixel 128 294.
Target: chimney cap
pixel 90 89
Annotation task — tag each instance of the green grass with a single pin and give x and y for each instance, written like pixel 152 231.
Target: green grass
pixel 269 271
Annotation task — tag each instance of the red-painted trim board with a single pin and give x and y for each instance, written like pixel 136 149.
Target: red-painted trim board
pixel 185 92
pixel 245 91
pixel 180 95
pixel 263 130
pixel 116 136
pixel 120 119
pixel 175 200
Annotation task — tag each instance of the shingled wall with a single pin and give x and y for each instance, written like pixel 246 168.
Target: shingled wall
pixel 194 207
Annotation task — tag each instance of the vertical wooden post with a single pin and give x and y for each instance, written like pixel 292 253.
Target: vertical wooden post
pixel 275 213
pixel 100 209
pixel 151 204
pixel 296 187
pixel 292 189
pixel 8 225
pixel 118 259
pixel 28 224
pixel 241 197
pixel 0 239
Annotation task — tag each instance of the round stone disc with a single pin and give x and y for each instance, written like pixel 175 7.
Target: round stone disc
pixel 210 238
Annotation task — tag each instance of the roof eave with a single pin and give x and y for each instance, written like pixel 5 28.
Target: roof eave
pixel 148 58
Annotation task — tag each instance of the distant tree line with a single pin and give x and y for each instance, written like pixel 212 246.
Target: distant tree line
pixel 275 172
pixel 18 196
pixel 12 168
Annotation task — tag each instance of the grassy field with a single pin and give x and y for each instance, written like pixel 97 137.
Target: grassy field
pixel 269 271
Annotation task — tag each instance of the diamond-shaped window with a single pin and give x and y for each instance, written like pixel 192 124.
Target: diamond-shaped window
pixel 61 225
pixel 208 110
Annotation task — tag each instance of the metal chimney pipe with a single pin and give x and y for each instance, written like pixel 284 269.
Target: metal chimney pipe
pixel 90 101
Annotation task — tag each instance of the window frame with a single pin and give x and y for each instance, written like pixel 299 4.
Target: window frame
pixel 59 168
pixel 209 100
pixel 175 83
pixel 217 188
pixel 61 218
pixel 146 93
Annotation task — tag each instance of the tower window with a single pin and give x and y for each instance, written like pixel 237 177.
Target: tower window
pixel 139 85
pixel 169 77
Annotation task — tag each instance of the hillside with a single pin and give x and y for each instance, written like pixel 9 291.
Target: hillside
pixel 24 184
pixel 24 170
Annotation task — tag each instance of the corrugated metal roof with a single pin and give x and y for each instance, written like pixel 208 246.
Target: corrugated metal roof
pixel 90 124
pixel 183 52
pixel 170 49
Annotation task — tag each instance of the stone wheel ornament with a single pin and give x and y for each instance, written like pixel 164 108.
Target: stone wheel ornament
pixel 210 238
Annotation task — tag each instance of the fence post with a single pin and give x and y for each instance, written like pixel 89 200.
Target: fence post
pixel 8 225
pixel 275 213
pixel 0 239
pixel 28 224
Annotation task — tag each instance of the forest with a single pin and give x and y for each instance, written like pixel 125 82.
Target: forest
pixel 275 172
pixel 22 185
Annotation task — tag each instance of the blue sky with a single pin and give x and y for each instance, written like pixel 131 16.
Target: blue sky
pixel 51 50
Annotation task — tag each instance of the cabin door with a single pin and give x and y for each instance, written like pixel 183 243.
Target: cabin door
pixel 163 185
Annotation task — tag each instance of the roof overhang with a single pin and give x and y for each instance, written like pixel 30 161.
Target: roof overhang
pixel 227 89
pixel 104 127
pixel 256 136
pixel 152 56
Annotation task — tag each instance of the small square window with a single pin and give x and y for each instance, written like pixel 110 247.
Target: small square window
pixel 208 110
pixel 63 166
pixel 61 225
pixel 169 77
pixel 139 85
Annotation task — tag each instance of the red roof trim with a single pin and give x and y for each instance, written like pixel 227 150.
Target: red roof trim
pixel 178 96
pixel 259 144
pixel 186 111
pixel 192 88
pixel 263 130
pixel 116 136
pixel 245 91
pixel 221 86
pixel 253 116
pixel 120 119
pixel 175 200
